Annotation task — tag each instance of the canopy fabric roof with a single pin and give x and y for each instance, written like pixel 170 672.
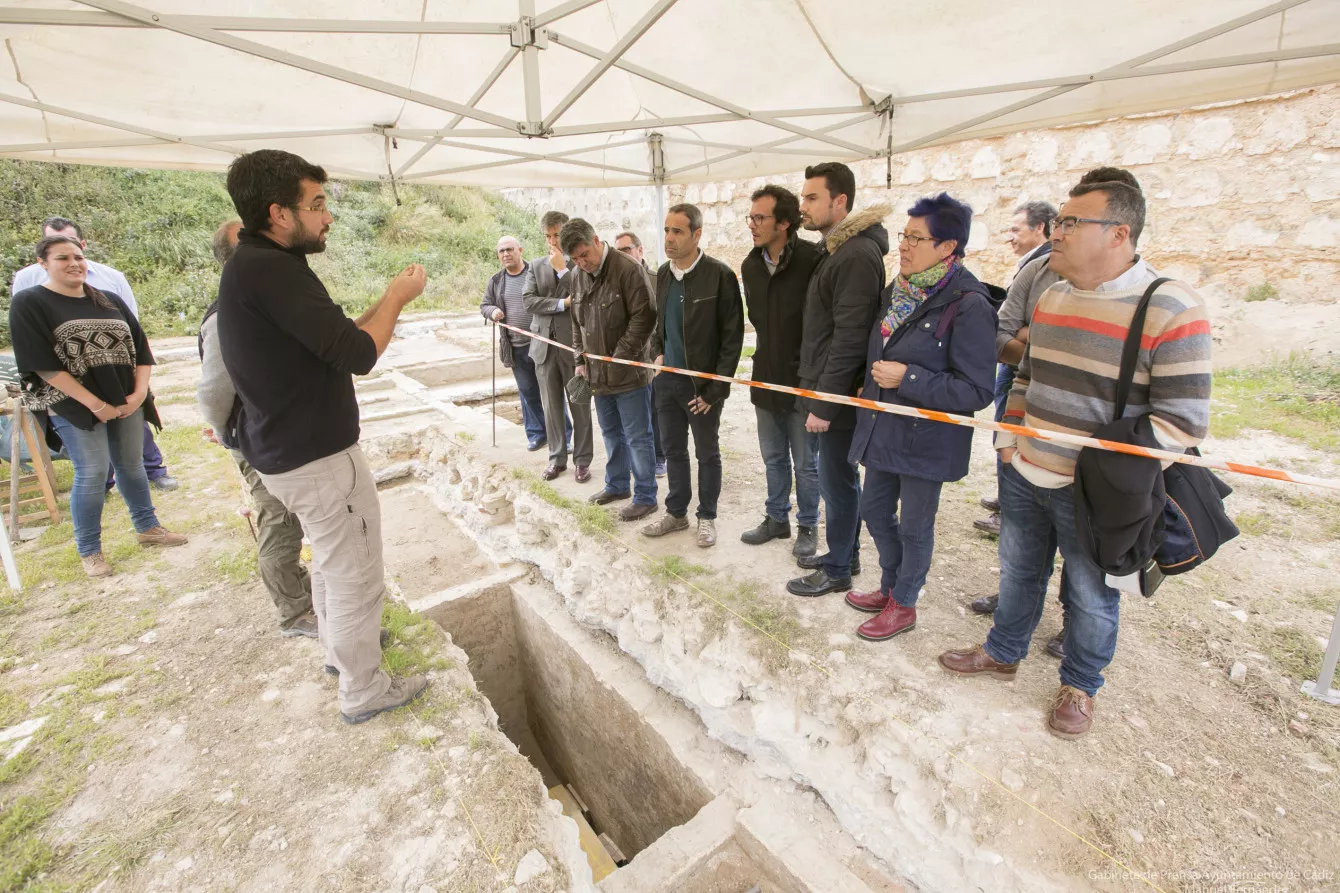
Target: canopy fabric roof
pixel 614 92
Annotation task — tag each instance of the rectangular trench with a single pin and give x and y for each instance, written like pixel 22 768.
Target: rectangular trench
pixel 572 725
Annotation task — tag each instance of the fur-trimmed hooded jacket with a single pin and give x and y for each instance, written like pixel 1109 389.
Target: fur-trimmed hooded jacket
pixel 840 308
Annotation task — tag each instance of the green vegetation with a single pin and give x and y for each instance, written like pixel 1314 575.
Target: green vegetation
pixel 1263 292
pixel 414 642
pixel 1295 652
pixel 1253 523
pixel 673 567
pixel 1297 398
pixel 592 519
pixel 155 226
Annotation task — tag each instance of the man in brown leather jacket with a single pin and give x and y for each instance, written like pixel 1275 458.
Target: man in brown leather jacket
pixel 615 317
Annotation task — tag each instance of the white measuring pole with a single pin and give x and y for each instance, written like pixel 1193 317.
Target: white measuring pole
pixel 1321 689
pixel 7 552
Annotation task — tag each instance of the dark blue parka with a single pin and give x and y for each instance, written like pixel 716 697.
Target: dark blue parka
pixel 948 344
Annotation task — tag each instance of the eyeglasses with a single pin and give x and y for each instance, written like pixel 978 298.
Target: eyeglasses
pixel 913 240
pixel 757 219
pixel 627 249
pixel 315 209
pixel 1066 225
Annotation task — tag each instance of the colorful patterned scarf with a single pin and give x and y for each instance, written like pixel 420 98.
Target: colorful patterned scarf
pixel 911 292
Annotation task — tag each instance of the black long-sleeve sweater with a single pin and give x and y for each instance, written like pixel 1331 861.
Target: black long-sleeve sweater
pixel 292 354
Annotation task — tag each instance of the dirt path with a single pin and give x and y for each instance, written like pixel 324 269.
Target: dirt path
pixel 184 745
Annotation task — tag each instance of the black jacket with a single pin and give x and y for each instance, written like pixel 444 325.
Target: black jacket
pixel 840 308
pixel 713 323
pixel 291 354
pixel 776 305
pixel 1119 499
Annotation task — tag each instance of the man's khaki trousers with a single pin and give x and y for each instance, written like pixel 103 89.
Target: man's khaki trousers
pixel 335 498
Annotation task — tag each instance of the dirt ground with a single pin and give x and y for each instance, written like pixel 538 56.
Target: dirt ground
pixel 188 747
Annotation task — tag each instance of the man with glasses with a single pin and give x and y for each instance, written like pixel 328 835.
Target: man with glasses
pixel 291 355
pixel 628 243
pixel 1067 381
pixel 504 302
pixel 776 276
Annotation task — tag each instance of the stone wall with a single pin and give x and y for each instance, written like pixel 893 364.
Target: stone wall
pixel 1244 203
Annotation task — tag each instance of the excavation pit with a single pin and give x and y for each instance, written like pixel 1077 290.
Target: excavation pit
pixel 571 724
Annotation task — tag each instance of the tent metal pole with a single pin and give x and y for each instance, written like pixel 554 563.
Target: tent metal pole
pixel 493 387
pixel 603 65
pixel 293 60
pixel 1322 689
pixel 524 37
pixel 118 125
pixel 79 18
pixel 656 143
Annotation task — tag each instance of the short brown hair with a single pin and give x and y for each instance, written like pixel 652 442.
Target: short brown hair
pixel 1125 201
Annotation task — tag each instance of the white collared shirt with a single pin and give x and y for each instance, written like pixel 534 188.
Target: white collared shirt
pixel 680 274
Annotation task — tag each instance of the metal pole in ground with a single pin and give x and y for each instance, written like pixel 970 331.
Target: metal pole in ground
pixel 1321 689
pixel 493 327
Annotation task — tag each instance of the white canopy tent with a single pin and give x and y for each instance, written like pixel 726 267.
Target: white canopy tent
pixel 614 92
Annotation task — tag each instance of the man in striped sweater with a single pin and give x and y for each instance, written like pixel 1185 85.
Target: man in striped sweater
pixel 1067 382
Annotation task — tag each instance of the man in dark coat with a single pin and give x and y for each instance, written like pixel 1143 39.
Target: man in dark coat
pixel 776 277
pixel 840 308
pixel 700 327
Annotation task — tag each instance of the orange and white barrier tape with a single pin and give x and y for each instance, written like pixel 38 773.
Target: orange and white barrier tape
pixel 1274 474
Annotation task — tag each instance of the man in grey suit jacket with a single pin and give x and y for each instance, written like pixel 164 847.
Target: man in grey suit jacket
pixel 546 298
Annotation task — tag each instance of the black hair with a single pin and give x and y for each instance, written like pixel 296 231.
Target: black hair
pixel 44 248
pixel 838 179
pixel 268 177
pixel 61 223
pixel 785 205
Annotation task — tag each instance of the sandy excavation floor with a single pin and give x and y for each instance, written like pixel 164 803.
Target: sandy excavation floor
pixel 187 747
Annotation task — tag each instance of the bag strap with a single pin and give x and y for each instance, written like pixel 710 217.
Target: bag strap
pixel 946 323
pixel 1130 351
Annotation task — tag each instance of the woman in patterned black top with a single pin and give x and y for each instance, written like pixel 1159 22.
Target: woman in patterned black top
pixel 86 362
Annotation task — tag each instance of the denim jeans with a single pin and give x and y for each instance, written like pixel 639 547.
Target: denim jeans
pixel 1004 381
pixel 154 468
pixel 840 486
pixel 528 387
pixel 785 444
pixel 905 545
pixel 120 445
pixel 656 436
pixel 673 393
pixel 1033 522
pixel 625 426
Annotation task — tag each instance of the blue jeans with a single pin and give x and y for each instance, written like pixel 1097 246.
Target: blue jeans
pixel 1033 522
pixel 528 387
pixel 625 425
pixel 840 486
pixel 153 460
pixel 906 546
pixel 1004 381
pixel 120 444
pixel 783 440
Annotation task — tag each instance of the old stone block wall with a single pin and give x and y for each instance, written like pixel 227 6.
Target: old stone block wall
pixel 1244 203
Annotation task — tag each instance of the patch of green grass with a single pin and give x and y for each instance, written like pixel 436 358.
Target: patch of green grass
pixel 747 353
pixel 12 709
pixel 1297 398
pixel 414 642
pixel 1295 652
pixel 237 565
pixel 26 854
pixel 1325 601
pixel 592 519
pixel 674 567
pixel 1253 523
pixel 1263 292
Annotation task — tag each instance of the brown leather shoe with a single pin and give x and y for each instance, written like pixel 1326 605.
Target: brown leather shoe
pixel 989 525
pixel 582 474
pixel 894 620
pixel 975 661
pixel 159 536
pixel 985 604
pixel 1072 713
pixel 553 471
pixel 870 602
pixel 635 511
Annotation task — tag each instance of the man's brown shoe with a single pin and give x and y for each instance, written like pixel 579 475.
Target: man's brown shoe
pixel 974 662
pixel 95 565
pixel 1072 713
pixel 636 512
pixel 157 536
pixel 582 474
pixel 667 523
pixel 553 471
pixel 985 604
pixel 869 602
pixel 989 525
